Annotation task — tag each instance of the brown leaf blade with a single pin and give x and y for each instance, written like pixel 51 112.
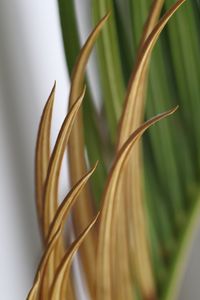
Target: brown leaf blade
pixel 43 152
pixel 67 203
pixel 129 115
pixel 139 253
pixel 110 211
pixel 52 181
pixel 83 211
pixel 55 233
pixel 33 294
pixel 151 20
pixel 64 268
pixel 121 244
pixel 51 188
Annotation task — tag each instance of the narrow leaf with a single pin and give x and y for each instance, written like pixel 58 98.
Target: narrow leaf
pixel 83 211
pixel 43 153
pixel 33 294
pixel 52 181
pixel 51 188
pixel 131 107
pixel 110 66
pixel 64 268
pixel 67 203
pixel 139 251
pixel 41 268
pixel 151 21
pixel 92 133
pixel 133 198
pixel 110 211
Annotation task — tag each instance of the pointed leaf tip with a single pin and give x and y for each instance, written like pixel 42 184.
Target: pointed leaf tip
pixel 42 155
pixel 51 188
pixel 67 203
pixel 64 268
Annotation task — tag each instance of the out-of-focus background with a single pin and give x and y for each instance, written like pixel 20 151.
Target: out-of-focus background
pixel 31 58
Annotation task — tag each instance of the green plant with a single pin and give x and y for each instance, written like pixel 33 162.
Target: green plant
pixel 137 247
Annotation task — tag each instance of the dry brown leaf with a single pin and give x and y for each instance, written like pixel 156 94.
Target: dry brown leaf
pixel 52 181
pixel 64 268
pixel 61 215
pixel 43 153
pixel 34 292
pixel 110 211
pixel 83 211
pixel 124 281
pixel 67 203
pixel 151 20
pixel 131 118
pixel 131 106
pixel 51 187
pixel 58 222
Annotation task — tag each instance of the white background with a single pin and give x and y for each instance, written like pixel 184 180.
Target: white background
pixel 31 58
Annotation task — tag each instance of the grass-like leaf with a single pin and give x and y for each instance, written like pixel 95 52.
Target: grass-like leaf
pixel 140 244
pixel 43 153
pixel 35 291
pixel 110 212
pixel 51 188
pixel 131 118
pixel 84 210
pixel 67 203
pixel 64 268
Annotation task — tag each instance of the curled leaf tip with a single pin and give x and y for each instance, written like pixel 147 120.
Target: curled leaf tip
pixel 176 108
pixel 53 90
pixel 107 16
pixel 42 155
pixel 95 165
pixel 84 90
pixel 171 111
pixel 54 85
